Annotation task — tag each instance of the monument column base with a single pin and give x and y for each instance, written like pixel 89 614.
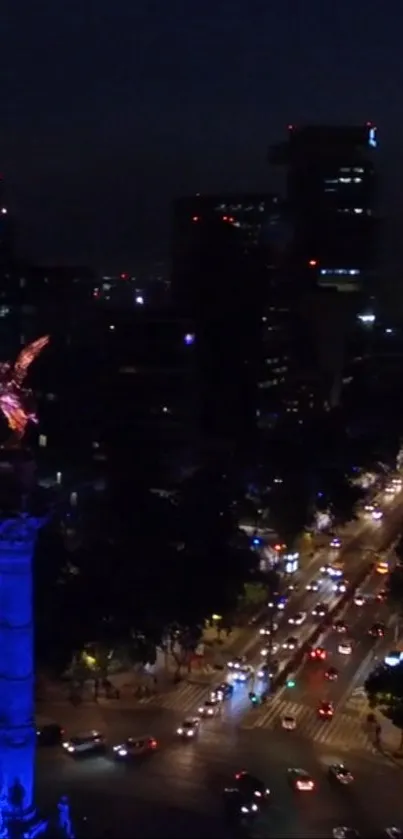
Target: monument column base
pixel 28 826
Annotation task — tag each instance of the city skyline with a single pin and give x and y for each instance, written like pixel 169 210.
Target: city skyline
pixel 116 139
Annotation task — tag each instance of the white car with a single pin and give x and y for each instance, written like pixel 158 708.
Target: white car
pixel 290 643
pixel 189 727
pixel 244 673
pixel 91 741
pixel 345 648
pixel 236 663
pixel 298 619
pixel 268 630
pixel 320 610
pixel 209 709
pixel 288 722
pixel 265 651
pixel 359 599
pixel 313 586
pixel 331 571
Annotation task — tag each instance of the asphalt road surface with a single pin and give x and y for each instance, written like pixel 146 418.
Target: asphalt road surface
pixel 178 790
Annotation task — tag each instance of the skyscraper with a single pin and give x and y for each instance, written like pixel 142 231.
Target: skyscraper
pixel 331 209
pixel 331 195
pixel 220 278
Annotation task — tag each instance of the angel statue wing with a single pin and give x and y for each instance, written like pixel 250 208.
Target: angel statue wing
pixel 26 357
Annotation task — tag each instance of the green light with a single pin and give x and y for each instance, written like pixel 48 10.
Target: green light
pixel 290 683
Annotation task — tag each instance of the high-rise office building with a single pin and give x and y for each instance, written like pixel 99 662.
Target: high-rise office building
pixel 331 203
pixel 222 263
pixel 331 211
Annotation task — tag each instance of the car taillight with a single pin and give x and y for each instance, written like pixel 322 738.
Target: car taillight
pixel 153 744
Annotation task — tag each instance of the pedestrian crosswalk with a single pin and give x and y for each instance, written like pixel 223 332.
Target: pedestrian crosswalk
pixel 357 703
pixel 342 732
pixel 185 698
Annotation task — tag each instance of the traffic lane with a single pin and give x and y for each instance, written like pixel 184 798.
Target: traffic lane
pixel 191 777
pixel 301 600
pixel 311 685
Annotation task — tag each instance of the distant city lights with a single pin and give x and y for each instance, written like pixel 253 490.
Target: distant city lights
pixel 139 300
pixel 4 211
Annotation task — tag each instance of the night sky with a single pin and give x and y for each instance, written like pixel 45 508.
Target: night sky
pixel 110 109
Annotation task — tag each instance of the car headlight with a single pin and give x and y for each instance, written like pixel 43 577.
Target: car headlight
pixel 70 749
pixel 244 810
pixel 254 808
pixel 117 748
pixel 200 710
pixel 267 792
pixel 179 730
pixel 122 752
pixel 258 793
pixel 65 745
pixel 190 733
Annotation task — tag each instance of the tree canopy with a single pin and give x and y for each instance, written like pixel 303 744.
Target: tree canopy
pixel 384 689
pixel 150 568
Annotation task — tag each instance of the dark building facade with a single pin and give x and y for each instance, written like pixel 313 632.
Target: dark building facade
pixel 331 204
pixel 331 260
pixel 221 272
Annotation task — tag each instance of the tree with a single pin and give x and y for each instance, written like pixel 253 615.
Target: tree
pixel 291 508
pixel 395 588
pixel 384 689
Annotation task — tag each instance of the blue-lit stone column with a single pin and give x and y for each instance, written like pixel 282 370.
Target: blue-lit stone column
pixel 17 728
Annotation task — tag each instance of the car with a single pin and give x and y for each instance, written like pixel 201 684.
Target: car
pixel 210 708
pixel 189 728
pixel 300 780
pixel 313 586
pixel 335 542
pixel 274 648
pixel 223 691
pixel 290 643
pixel 340 587
pixel 332 674
pixel 244 673
pixel 282 603
pixel 318 654
pixel 331 570
pixel 48 732
pixel 135 747
pixel 325 710
pixel 377 514
pixel 339 772
pixel 345 647
pixel 320 610
pixel 236 663
pixel 297 619
pixel 89 742
pixel 377 630
pixel 293 586
pixel 382 595
pixel 340 627
pixel 250 787
pixel 288 722
pixel 345 833
pixel 359 599
pixel 268 630
pixel 268 671
pixel 393 833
